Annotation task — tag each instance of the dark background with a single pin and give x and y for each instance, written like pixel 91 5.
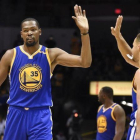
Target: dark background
pixel 70 86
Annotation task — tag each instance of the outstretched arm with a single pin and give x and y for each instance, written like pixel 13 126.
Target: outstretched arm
pixel 123 46
pixel 61 57
pixel 119 114
pixel 5 65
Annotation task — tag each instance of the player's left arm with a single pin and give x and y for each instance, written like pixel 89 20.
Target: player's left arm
pixel 137 82
pixel 119 115
pixel 85 59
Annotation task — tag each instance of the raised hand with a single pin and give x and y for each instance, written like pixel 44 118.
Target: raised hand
pixel 116 31
pixel 80 19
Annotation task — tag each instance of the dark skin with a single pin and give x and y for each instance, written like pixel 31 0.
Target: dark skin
pixel 118 113
pixel 30 34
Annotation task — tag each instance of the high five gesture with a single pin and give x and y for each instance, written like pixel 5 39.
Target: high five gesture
pixel 80 19
pixel 116 31
pixel 123 46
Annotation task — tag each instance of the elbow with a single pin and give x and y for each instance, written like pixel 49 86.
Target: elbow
pixel 127 60
pixel 87 64
pixel 132 62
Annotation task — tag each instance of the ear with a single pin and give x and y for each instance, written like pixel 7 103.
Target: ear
pixel 104 96
pixel 21 34
pixel 139 47
pixel 40 32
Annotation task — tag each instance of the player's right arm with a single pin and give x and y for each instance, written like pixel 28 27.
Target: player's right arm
pixel 5 65
pixel 123 46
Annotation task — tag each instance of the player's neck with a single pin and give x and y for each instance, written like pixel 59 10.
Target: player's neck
pixel 32 49
pixel 108 103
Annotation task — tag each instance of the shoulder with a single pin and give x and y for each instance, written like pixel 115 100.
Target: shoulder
pixel 54 53
pixel 137 72
pixel 6 60
pixel 10 52
pixel 7 57
pixel 137 75
pixel 118 110
pixel 117 107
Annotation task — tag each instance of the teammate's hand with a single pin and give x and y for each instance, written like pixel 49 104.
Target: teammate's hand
pixel 80 19
pixel 116 31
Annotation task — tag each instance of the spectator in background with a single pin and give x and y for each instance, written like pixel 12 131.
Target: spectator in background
pixel 75 44
pixel 3 96
pixel 3 100
pixel 60 136
pixel 1 137
pixel 50 42
pixel 2 127
pixel 73 124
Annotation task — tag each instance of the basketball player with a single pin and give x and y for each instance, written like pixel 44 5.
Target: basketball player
pixel 110 117
pixel 30 67
pixel 132 56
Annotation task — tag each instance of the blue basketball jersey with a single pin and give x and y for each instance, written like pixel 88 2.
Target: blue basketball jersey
pixel 106 123
pixel 135 106
pixel 30 79
pixel 132 128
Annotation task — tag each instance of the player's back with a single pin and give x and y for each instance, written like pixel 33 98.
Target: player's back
pixel 30 84
pixel 106 123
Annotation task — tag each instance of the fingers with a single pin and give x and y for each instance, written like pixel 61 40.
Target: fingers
pixel 84 13
pixel 74 17
pixel 112 30
pixel 78 11
pixel 119 22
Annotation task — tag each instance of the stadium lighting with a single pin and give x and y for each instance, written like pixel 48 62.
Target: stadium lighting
pixel 118 11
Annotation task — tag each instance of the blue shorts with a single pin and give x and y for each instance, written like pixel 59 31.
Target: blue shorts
pixel 28 124
pixel 131 133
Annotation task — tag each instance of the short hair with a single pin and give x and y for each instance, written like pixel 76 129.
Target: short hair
pixel 138 37
pixel 108 91
pixel 30 19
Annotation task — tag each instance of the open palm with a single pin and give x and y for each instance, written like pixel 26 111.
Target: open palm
pixel 80 19
pixel 116 31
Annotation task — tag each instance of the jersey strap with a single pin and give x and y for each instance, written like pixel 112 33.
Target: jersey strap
pixel 112 112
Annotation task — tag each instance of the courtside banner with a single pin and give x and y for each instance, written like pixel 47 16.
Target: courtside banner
pixel 120 88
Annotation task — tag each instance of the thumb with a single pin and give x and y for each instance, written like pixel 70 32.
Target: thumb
pixel 112 28
pixel 73 17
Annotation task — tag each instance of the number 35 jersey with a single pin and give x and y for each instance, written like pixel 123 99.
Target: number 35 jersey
pixel 30 78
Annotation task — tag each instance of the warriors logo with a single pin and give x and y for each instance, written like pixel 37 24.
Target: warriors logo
pixel 30 78
pixel 101 124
